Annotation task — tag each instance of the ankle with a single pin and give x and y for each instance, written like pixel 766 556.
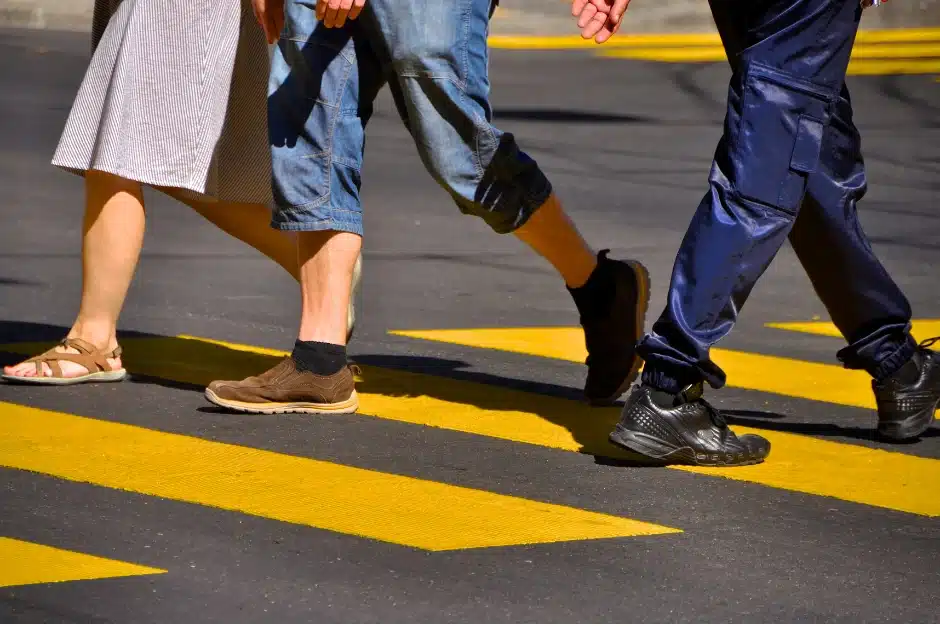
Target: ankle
pixel 322 359
pixel 594 296
pixel 102 336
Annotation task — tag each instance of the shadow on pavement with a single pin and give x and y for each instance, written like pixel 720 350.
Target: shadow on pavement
pixel 191 364
pixel 15 282
pixel 568 116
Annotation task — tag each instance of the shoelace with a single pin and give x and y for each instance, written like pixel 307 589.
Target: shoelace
pixel 717 418
pixel 693 394
pixel 926 343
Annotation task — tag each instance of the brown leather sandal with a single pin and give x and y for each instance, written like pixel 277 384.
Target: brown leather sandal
pixel 89 357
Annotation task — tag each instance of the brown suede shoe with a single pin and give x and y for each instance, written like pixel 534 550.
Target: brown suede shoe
pixel 284 389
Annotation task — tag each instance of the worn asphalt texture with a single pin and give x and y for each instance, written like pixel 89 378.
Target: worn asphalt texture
pixel 628 147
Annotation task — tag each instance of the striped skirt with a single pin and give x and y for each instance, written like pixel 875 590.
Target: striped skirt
pixel 175 96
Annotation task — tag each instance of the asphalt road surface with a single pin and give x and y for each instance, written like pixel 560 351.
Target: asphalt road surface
pixel 473 486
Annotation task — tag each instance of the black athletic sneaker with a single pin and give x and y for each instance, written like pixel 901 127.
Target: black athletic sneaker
pixel 611 338
pixel 691 432
pixel 908 400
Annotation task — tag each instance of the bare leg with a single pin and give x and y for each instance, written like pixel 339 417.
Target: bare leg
pixel 112 237
pixel 552 234
pixel 327 260
pixel 249 223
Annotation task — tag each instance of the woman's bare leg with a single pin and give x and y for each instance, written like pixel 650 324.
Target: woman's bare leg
pixel 249 223
pixel 112 236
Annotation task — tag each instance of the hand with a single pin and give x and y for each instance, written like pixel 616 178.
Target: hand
pixel 270 14
pixel 334 13
pixel 599 19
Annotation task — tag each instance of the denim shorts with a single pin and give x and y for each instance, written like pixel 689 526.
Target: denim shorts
pixel 433 55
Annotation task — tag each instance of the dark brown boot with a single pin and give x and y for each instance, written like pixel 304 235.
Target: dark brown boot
pixel 284 389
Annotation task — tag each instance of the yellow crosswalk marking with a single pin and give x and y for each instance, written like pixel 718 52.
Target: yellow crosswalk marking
pixel 798 463
pixel 397 509
pixel 629 40
pixel 745 370
pixel 25 563
pixel 921 329
pixel 690 54
pixel 866 60
pixel 887 67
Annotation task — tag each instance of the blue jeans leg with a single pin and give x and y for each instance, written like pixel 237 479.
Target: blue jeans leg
pixel 435 54
pixel 322 88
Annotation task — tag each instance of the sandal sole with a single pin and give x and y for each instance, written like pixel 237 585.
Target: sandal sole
pixel 51 381
pixel 275 408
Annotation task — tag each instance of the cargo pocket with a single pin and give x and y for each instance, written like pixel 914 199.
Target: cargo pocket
pixel 777 142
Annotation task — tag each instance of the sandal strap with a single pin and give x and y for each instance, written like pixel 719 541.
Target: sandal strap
pixel 88 357
pixel 83 347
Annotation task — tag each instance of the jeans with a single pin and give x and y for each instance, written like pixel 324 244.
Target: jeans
pixel 433 55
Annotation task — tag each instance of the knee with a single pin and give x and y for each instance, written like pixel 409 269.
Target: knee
pixel 776 125
pixel 491 179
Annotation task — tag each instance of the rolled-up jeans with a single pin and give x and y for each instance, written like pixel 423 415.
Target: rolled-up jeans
pixel 433 55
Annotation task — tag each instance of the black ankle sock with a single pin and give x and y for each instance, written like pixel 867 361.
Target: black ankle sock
pixel 907 374
pixel 663 398
pixel 595 297
pixel 322 359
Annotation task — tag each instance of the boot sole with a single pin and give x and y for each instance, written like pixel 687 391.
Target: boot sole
pixel 668 454
pixel 911 428
pixel 642 306
pixel 274 408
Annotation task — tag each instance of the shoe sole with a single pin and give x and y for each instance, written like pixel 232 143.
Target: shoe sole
pixel 642 306
pixel 274 408
pixel 114 376
pixel 911 428
pixel 667 454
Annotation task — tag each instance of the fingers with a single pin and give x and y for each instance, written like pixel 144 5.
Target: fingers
pixel 577 6
pixel 356 9
pixel 594 26
pixel 334 13
pixel 270 15
pixel 588 13
pixel 277 19
pixel 616 12
pixel 607 22
pixel 260 9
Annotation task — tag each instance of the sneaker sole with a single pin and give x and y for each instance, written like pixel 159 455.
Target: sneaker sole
pixel 272 408
pixel 911 428
pixel 642 306
pixel 668 454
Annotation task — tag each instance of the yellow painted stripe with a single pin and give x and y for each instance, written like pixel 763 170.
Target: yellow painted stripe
pixel 745 370
pixel 921 329
pixel 930 51
pixel 564 42
pixel 561 42
pixel 898 35
pixel 897 59
pixel 396 509
pixel 798 463
pixel 704 54
pixel 24 563
pixel 887 67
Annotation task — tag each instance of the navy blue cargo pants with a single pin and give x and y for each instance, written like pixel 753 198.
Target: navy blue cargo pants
pixel 789 164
